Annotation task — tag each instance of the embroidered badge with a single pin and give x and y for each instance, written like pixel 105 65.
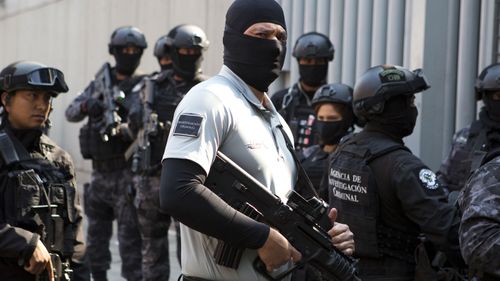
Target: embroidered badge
pixel 428 178
pixel 188 125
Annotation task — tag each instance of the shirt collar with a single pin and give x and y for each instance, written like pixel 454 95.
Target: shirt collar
pixel 245 90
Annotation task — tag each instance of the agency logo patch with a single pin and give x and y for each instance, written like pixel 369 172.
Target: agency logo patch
pixel 428 178
pixel 188 125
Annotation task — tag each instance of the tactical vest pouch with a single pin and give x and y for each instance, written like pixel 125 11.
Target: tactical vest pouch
pixel 85 144
pixel 428 268
pixel 28 193
pixel 93 147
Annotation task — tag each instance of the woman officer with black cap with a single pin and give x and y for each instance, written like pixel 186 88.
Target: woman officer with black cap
pixel 40 215
pixel 335 119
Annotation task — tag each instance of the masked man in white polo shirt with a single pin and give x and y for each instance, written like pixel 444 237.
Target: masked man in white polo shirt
pixel 232 113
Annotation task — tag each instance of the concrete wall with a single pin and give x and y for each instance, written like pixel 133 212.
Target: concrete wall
pixel 451 39
pixel 73 36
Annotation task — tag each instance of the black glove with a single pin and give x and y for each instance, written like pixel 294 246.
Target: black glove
pixel 95 107
pixel 135 118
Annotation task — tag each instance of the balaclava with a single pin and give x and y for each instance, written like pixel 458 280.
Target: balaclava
pixel 166 66
pixel 492 108
pixel 256 61
pixel 126 64
pixel 398 118
pixel 313 75
pixel 186 66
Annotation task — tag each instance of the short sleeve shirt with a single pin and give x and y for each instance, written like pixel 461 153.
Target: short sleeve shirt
pixel 223 114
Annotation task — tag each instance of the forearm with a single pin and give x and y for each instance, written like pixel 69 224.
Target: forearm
pixel 480 242
pixel 16 242
pixel 76 110
pixel 184 197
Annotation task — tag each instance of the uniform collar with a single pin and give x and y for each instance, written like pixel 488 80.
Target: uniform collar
pixel 245 90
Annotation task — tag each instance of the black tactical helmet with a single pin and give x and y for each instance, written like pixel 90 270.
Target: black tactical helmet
pixel 333 93
pixel 161 49
pixel 187 36
pixel 313 45
pixel 127 36
pixel 30 75
pixel 382 82
pixel 488 80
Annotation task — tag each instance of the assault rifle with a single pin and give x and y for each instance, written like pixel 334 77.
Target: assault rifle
pixel 140 150
pixel 297 220
pixel 111 96
pixel 51 234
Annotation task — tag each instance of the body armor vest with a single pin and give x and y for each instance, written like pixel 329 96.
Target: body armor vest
pixel 168 93
pixel 468 159
pixel 352 188
pixel 109 153
pixel 299 114
pixel 38 193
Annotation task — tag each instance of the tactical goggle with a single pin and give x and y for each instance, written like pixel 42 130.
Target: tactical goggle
pixel 43 78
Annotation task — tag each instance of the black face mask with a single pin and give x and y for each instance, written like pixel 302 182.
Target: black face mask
pixel 313 75
pixel 186 66
pixel 126 64
pixel 492 108
pixel 330 132
pixel 256 61
pixel 165 67
pixel 398 118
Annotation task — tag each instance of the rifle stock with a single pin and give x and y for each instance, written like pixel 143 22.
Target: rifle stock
pixel 298 220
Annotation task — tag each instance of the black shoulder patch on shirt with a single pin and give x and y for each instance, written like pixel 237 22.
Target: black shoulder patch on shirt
pixel 188 125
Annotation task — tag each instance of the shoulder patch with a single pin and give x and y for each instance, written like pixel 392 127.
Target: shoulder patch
pixel 188 125
pixel 428 179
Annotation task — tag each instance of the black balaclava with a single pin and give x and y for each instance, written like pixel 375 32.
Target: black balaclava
pixel 126 64
pixel 492 108
pixel 397 119
pixel 256 61
pixel 313 75
pixel 187 66
pixel 492 127
pixel 164 67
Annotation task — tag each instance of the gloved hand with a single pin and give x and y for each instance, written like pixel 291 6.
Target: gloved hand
pixel 95 107
pixel 135 118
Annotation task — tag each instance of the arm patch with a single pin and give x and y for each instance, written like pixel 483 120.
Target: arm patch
pixel 188 125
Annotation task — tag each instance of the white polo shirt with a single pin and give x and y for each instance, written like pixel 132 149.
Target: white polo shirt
pixel 222 113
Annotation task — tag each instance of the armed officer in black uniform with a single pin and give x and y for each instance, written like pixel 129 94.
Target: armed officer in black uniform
pixel 313 52
pixel 40 214
pixel 151 118
pixel 104 139
pixel 162 54
pixel 332 104
pixel 471 144
pixel 382 191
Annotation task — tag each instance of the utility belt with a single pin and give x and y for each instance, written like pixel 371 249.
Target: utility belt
pixel 110 165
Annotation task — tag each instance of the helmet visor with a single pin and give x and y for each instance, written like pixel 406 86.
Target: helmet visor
pixel 44 77
pixel 50 79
